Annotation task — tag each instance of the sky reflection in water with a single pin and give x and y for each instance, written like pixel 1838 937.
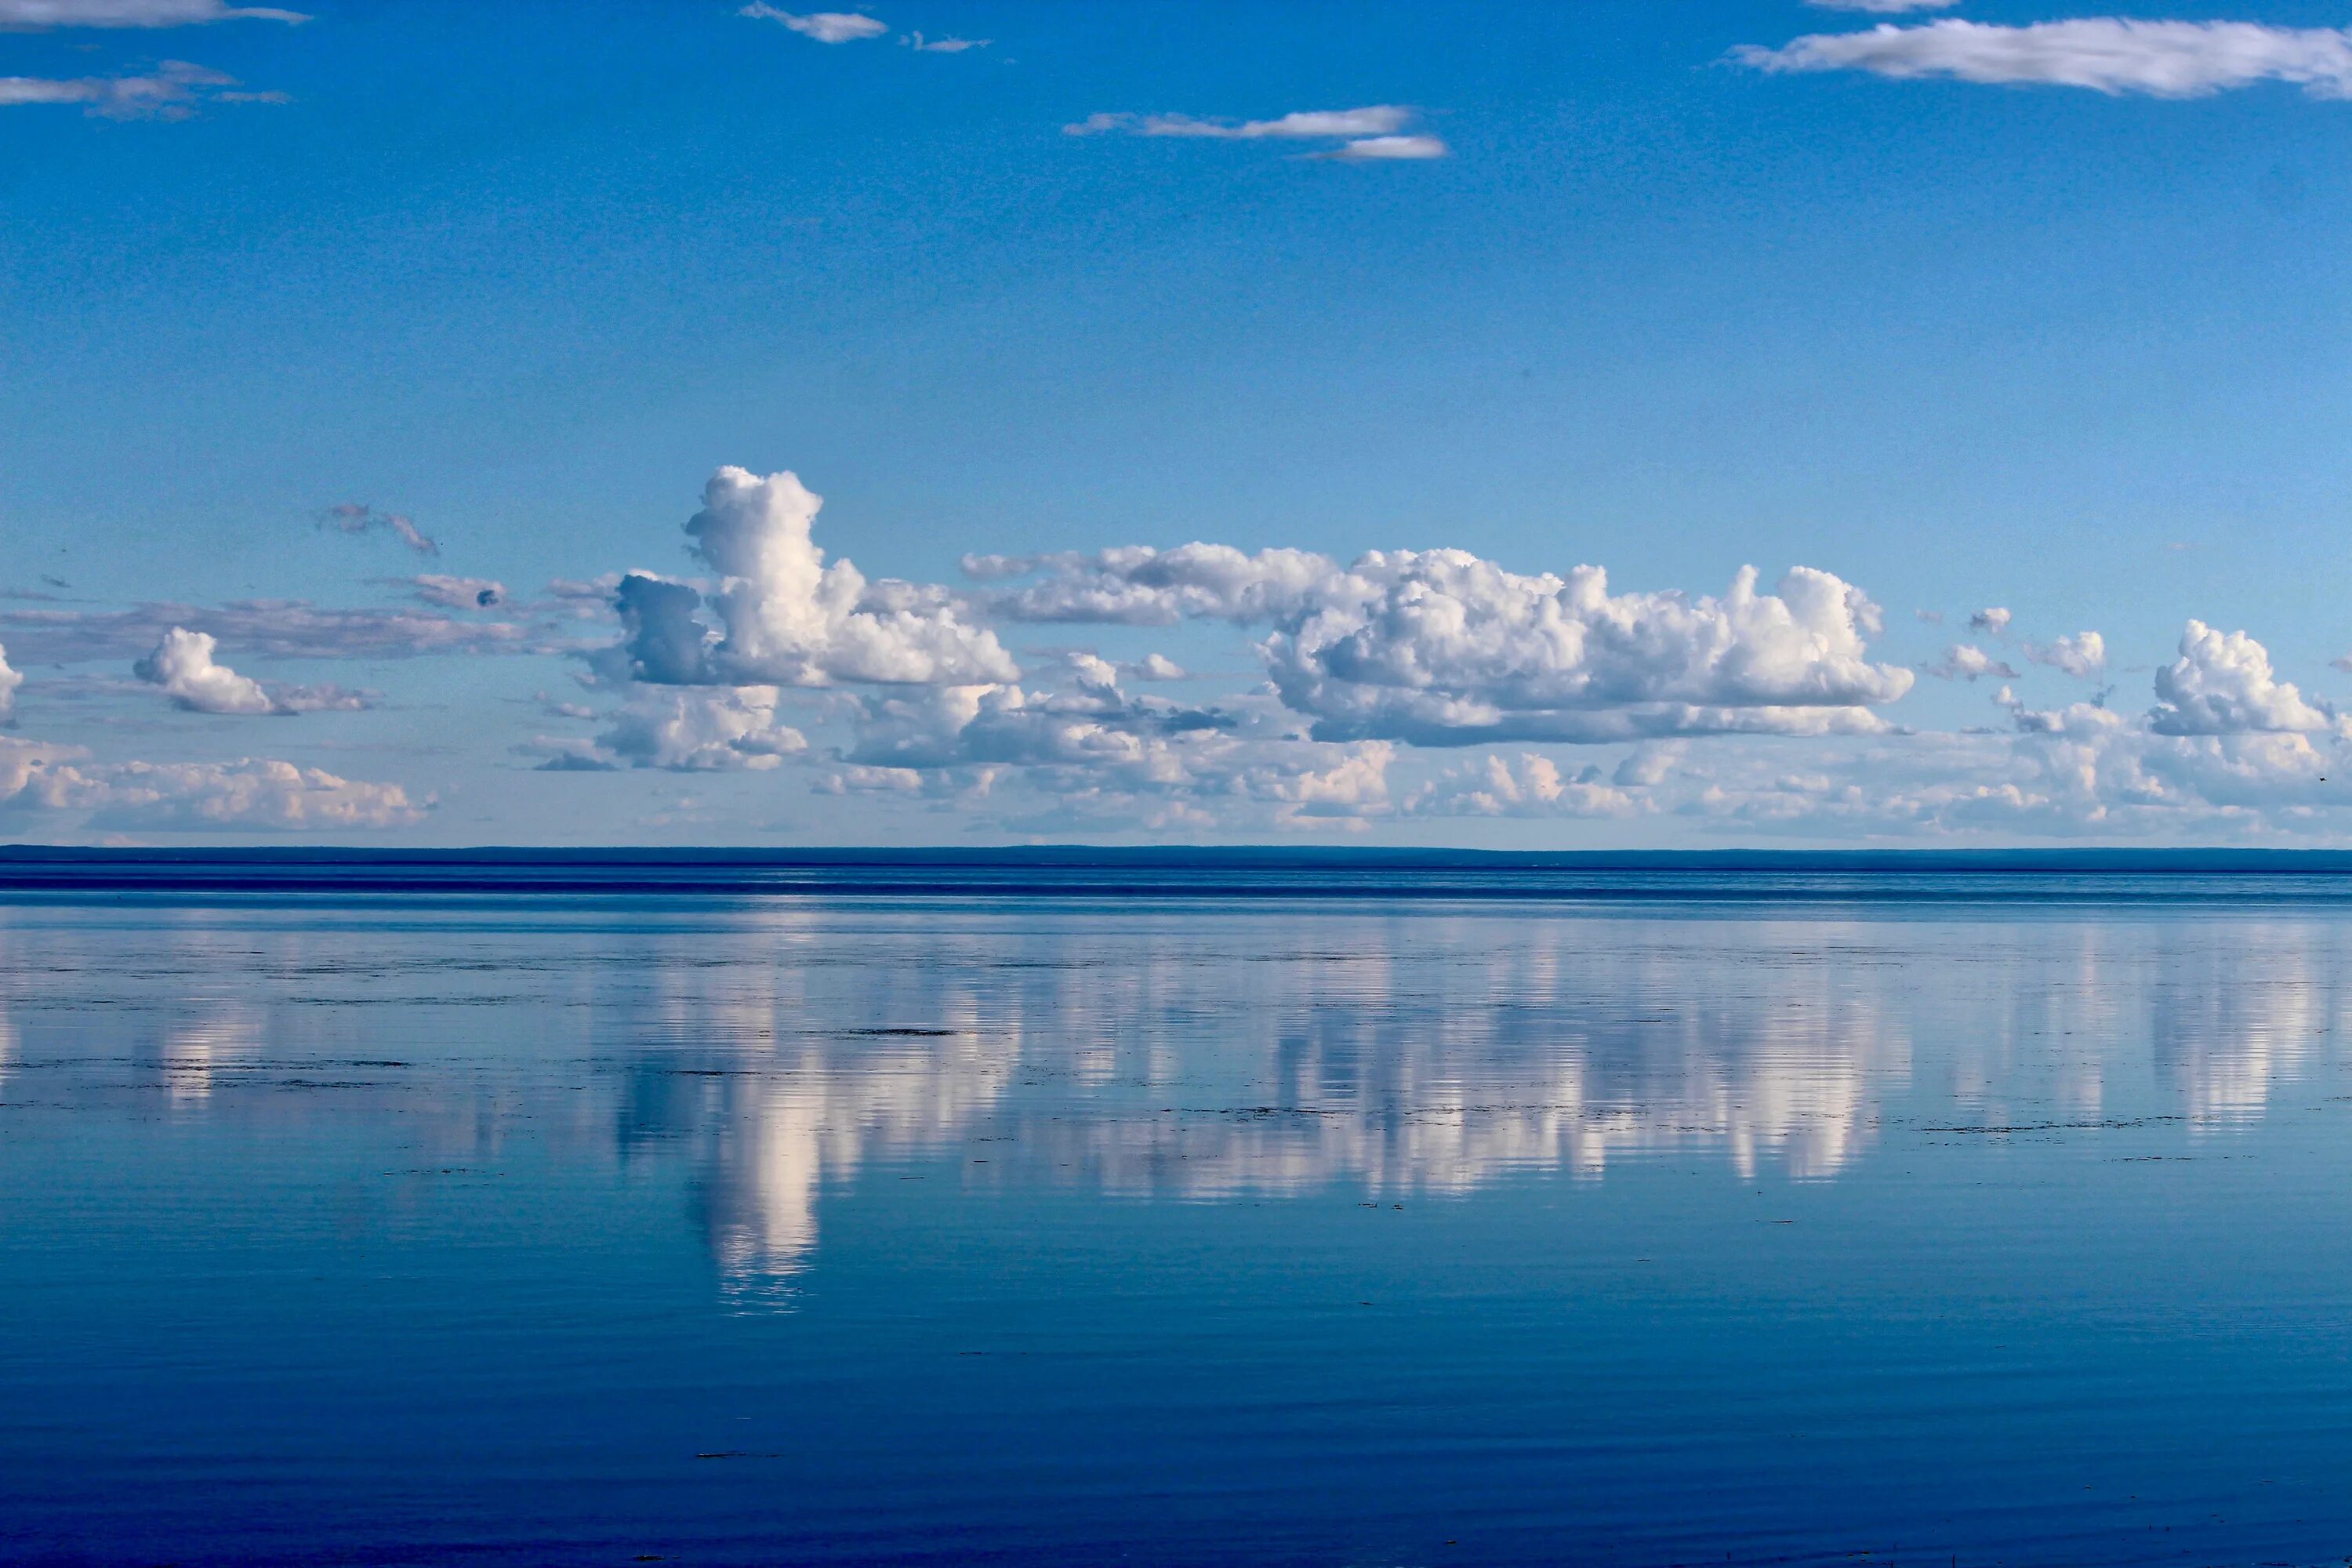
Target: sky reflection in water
pixel 831 1230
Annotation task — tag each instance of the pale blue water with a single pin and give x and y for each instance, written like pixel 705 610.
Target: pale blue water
pixel 2012 1224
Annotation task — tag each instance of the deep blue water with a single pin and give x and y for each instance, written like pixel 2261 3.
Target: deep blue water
pixel 1890 1221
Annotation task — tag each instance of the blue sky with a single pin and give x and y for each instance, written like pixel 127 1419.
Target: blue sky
pixel 2067 339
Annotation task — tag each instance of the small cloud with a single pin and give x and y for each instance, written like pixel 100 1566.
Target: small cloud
pixel 825 27
pixel 943 45
pixel 1884 8
pixel 1932 617
pixel 1154 667
pixel 1391 149
pixel 1964 662
pixel 2083 654
pixel 1378 120
pixel 1994 620
pixel 1374 134
pixel 351 517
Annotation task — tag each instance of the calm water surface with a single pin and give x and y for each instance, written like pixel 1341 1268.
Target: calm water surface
pixel 590 1230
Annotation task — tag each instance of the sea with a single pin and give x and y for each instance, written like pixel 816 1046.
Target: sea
pixel 1188 1207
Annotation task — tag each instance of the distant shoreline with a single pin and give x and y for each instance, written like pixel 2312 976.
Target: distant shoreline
pixel 1139 873
pixel 2076 860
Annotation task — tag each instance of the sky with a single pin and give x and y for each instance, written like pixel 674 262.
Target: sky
pixel 1580 425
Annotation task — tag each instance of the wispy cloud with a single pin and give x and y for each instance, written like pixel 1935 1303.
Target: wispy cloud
pixel 33 16
pixel 825 27
pixel 351 517
pixel 174 90
pixel 2112 54
pixel 279 628
pixel 943 45
pixel 1372 133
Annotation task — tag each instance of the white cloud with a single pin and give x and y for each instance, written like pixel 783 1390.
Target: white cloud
pixel 1528 785
pixel 1440 648
pixel 825 27
pixel 1378 120
pixel 1994 621
pixel 252 794
pixel 1448 649
pixel 786 617
pixel 2222 685
pixel 10 680
pixel 352 517
pixel 2112 54
pixel 1964 661
pixel 690 730
pixel 455 593
pixel 174 90
pixel 1884 8
pixel 1391 150
pixel 1370 135
pixel 38 15
pixel 943 46
pixel 2083 654
pixel 184 665
pixel 1154 667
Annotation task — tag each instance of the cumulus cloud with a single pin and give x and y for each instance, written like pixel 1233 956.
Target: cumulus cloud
pixel 1965 661
pixel 1993 621
pixel 173 90
pixel 30 16
pixel 184 665
pixel 1527 786
pixel 9 681
pixel 1449 649
pixel 2222 685
pixel 2112 54
pixel 2083 654
pixel 825 27
pixel 1440 648
pixel 352 517
pixel 244 795
pixel 1371 133
pixel 455 593
pixel 786 618
pixel 686 730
